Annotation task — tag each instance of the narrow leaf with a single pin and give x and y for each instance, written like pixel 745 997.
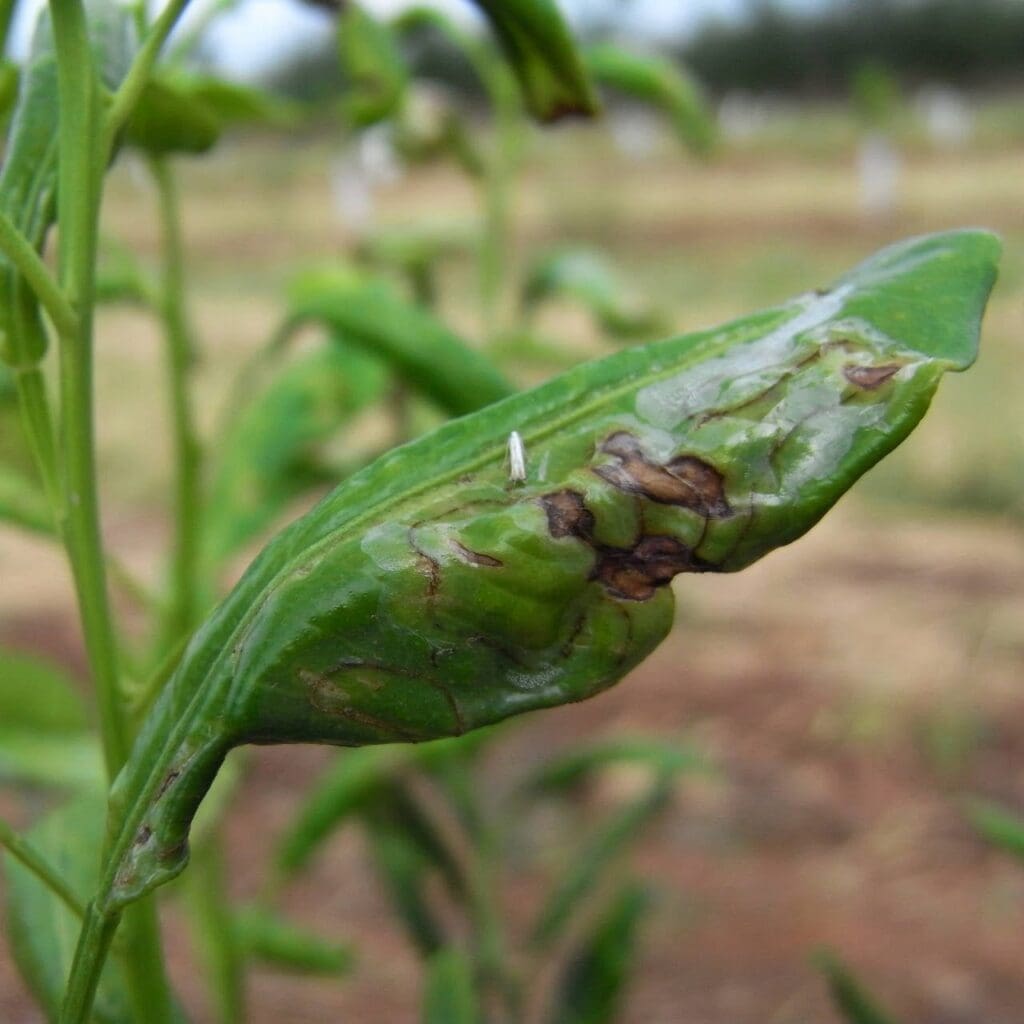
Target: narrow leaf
pixel 373 64
pixel 582 763
pixel 23 504
pixel 269 938
pixel 851 998
pixel 594 982
pixel 364 311
pixel 592 862
pixel 998 825
pixel 585 276
pixel 42 930
pixel 661 83
pixel 267 456
pixel 450 996
pixel 355 778
pixel 539 46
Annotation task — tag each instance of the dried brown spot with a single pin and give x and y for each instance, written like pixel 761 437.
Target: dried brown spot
pixel 870 377
pixel 173 854
pixel 143 836
pixel 636 573
pixel 476 557
pixel 169 779
pixel 567 515
pixel 685 480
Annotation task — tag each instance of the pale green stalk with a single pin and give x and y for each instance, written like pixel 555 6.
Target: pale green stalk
pixel 181 612
pixel 83 159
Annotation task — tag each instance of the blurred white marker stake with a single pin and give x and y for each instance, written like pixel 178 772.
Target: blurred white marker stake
pixel 879 166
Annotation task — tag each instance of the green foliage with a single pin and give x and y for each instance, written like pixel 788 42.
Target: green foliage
pixel 585 276
pixel 851 998
pixel 267 456
pixel 998 826
pixel 450 997
pixel 41 928
pixel 23 504
pixel 365 312
pixel 169 119
pixel 660 83
pixel 374 67
pixel 265 936
pixel 876 95
pixel 402 561
pixel 44 734
pixel 594 981
pixel 540 49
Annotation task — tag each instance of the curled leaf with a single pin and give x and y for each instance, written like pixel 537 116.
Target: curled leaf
pixel 431 594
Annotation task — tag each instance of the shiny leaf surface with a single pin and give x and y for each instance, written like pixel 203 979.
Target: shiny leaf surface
pixel 430 594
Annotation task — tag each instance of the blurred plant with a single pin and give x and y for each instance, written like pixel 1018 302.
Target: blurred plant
pixel 516 557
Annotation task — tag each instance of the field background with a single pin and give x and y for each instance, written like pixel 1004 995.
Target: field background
pixel 851 690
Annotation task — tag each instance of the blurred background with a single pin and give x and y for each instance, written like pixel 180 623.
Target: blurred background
pixel 849 695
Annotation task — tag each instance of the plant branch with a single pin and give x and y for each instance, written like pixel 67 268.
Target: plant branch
pixel 29 263
pixel 181 610
pixel 22 850
pixel 130 89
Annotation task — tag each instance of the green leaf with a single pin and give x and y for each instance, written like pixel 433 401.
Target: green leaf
pixel 44 735
pixel 28 178
pixel 38 696
pixel 365 312
pixel 265 936
pixel 998 825
pixel 585 276
pixel 594 982
pixel 41 929
pixel 450 995
pixel 581 763
pixel 851 998
pixel 355 778
pixel 660 83
pixel 171 119
pixel 10 77
pixel 593 861
pixel 539 46
pixel 235 104
pixel 373 64
pixel 405 870
pixel 267 456
pixel 430 594
pixel 23 504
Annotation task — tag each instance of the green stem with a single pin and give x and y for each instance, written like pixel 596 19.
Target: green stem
pixel 17 248
pixel 83 159
pixel 181 611
pixel 213 930
pixel 22 850
pixel 130 90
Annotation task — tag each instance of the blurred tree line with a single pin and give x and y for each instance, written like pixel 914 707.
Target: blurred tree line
pixel 966 43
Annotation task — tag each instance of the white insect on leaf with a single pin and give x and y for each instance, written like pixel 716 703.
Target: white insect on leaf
pixel 516 458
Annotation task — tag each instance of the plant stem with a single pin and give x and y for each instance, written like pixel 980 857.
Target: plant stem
pixel 83 160
pixel 22 850
pixel 17 248
pixel 181 611
pixel 130 90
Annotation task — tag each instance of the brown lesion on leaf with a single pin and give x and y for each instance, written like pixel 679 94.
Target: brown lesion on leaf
pixel 143 836
pixel 636 573
pixel 632 573
pixel 471 557
pixel 870 378
pixel 567 515
pixel 685 480
pixel 168 780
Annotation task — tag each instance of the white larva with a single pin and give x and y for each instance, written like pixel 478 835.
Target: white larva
pixel 516 458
